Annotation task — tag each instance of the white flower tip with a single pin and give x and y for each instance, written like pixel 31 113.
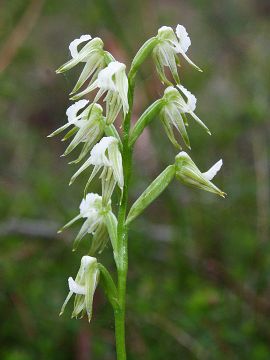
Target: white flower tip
pixel 183 154
pixel 211 173
pixel 73 109
pixel 105 80
pixel 184 39
pixel 89 204
pixel 75 287
pixel 164 28
pixel 87 261
pixel 98 156
pixel 73 46
pixel 191 99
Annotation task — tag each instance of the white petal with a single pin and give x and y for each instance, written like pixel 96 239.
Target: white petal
pixel 76 288
pixel 87 261
pixel 105 77
pixel 98 153
pixel 191 99
pixel 90 204
pixel 73 110
pixel 184 39
pixel 213 170
pixel 73 46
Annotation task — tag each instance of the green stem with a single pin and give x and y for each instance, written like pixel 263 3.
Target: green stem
pixel 122 240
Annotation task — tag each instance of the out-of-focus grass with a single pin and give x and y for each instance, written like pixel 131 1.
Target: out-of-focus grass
pixel 198 282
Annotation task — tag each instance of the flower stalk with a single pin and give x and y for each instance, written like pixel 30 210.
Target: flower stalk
pixel 109 153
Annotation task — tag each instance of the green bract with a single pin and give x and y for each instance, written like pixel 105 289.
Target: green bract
pixel 151 193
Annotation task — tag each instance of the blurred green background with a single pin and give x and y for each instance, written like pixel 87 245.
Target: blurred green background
pixel 198 284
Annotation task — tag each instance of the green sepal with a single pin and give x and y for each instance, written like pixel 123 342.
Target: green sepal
pixel 144 120
pixel 70 133
pixel 111 224
pixel 151 193
pixel 90 286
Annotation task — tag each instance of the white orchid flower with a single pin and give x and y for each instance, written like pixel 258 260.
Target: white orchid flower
pixel 113 81
pixel 99 222
pixel 168 46
pixel 88 127
pixel 189 174
pixel 173 113
pixel 92 54
pixel 107 156
pixel 83 287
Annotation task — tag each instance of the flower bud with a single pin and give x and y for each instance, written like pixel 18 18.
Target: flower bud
pixel 189 174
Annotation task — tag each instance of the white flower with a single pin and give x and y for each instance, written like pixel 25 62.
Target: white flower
pixel 92 54
pixel 107 156
pixel 88 125
pixel 112 80
pixel 83 287
pixel 189 174
pixel 173 113
pixel 99 222
pixel 169 45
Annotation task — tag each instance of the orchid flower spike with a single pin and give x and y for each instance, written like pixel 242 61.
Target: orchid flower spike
pixel 173 113
pixel 107 156
pixel 112 80
pixel 92 54
pixel 83 287
pixel 188 173
pixel 99 220
pixel 168 46
pixel 88 126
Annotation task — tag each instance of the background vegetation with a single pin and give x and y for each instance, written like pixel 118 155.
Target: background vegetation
pixel 199 265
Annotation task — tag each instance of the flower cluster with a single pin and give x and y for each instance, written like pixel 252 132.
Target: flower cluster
pixel 93 131
pixel 88 125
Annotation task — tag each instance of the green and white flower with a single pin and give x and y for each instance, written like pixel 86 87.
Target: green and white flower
pixel 100 221
pixel 188 173
pixel 173 113
pixel 113 81
pixel 92 54
pixel 165 53
pixel 105 155
pixel 88 128
pixel 83 287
